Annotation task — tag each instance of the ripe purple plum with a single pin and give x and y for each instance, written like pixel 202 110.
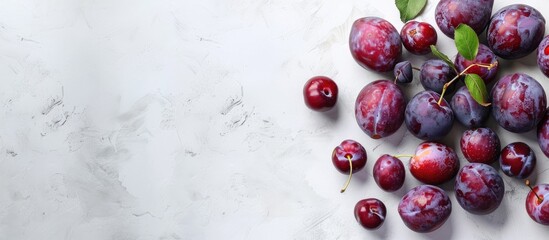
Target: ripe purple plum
pixel 517 160
pixel 467 110
pixel 425 208
pixel 475 13
pixel 434 163
pixel 379 108
pixel 389 173
pixel 485 56
pixel 434 74
pixel 426 119
pixel 403 72
pixel 480 145
pixel 515 31
pixel 417 37
pixel 543 56
pixel 543 134
pixel 518 102
pixel 479 188
pixel 375 44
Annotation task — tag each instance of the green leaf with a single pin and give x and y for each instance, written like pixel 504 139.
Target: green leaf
pixel 442 56
pixel 466 40
pixel 409 9
pixel 477 88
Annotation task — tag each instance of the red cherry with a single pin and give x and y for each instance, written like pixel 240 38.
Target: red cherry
pixel 320 93
pixel 349 157
pixel 537 203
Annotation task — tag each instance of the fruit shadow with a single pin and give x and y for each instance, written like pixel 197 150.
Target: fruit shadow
pixel 444 232
pixel 333 114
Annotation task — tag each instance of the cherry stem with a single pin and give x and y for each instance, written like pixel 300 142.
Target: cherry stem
pixel 540 199
pixel 350 174
pixel 464 72
pixel 404 155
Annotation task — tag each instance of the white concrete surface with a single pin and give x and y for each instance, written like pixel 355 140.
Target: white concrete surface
pixel 185 120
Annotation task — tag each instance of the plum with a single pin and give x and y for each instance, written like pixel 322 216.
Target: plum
pixel 543 134
pixel 389 173
pixel 426 119
pixel 425 208
pixel 480 145
pixel 434 74
pixel 517 160
pixel 543 56
pixel 417 37
pixel 475 13
pixel 518 102
pixel 403 72
pixel 379 108
pixel 479 188
pixel 515 31
pixel 467 110
pixel 434 163
pixel 485 56
pixel 375 44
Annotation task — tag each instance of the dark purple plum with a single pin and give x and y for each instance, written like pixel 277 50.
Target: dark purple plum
pixel 426 119
pixel 515 31
pixel 425 208
pixel 475 13
pixel 403 72
pixel 480 145
pixel 543 134
pixel 479 188
pixel 370 213
pixel 417 37
pixel 467 110
pixel 389 173
pixel 379 108
pixel 434 163
pixel 517 160
pixel 485 56
pixel 518 102
pixel 434 74
pixel 543 56
pixel 375 44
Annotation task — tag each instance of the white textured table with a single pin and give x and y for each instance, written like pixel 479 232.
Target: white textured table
pixel 185 120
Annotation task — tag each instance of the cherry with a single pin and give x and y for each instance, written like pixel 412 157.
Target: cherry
pixel 389 173
pixel 537 203
pixel 517 160
pixel 320 93
pixel 349 157
pixel 370 213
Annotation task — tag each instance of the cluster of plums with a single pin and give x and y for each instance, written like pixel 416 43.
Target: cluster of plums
pixel 518 104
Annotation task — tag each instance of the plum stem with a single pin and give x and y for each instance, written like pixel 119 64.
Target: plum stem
pixel 396 77
pixel 416 68
pixel 540 199
pixel 404 155
pixel 464 72
pixel 350 174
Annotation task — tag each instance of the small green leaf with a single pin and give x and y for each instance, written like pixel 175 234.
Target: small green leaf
pixel 442 56
pixel 477 88
pixel 409 9
pixel 466 40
